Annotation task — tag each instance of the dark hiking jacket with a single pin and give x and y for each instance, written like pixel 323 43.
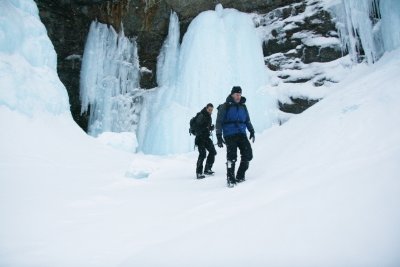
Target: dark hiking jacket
pixel 203 123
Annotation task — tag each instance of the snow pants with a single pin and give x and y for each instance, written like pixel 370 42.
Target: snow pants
pixel 204 144
pixel 246 155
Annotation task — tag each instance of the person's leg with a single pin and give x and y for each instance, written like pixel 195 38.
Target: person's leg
pixel 202 155
pixel 211 156
pixel 231 156
pixel 246 154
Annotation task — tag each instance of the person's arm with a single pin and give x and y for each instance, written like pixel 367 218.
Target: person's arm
pixel 249 125
pixel 218 124
pixel 220 119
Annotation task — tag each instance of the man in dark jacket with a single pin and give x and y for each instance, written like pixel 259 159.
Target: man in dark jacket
pixel 203 141
pixel 232 120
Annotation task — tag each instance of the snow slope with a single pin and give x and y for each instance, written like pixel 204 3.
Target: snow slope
pixel 322 190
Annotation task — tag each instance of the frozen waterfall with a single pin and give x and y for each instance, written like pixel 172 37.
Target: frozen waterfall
pixel 109 80
pixel 168 58
pixel 369 27
pixel 219 50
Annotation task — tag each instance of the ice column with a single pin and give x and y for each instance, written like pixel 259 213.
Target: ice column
pixel 159 111
pixel 168 58
pixel 109 79
pixel 390 28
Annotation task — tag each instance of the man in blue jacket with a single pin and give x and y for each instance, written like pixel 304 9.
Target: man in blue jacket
pixel 232 121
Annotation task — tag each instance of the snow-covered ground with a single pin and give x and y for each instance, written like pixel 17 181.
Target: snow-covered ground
pixel 323 188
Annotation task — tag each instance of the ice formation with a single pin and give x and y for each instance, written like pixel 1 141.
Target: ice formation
pixel 28 62
pixel 109 80
pixel 219 50
pixel 168 58
pixel 369 27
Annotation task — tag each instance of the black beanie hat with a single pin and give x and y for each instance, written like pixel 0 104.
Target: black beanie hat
pixel 236 89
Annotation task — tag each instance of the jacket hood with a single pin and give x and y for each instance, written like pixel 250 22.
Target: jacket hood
pixel 230 100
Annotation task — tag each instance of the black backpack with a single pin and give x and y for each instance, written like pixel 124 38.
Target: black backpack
pixel 193 125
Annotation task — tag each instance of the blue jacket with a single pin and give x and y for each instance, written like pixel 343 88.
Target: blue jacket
pixel 233 118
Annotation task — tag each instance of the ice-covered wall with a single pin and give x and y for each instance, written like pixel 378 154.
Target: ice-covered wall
pixel 390 23
pixel 368 28
pixel 109 80
pixel 28 77
pixel 219 50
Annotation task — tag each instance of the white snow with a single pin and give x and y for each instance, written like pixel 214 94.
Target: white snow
pixel 310 39
pixel 125 141
pixel 74 57
pixel 322 190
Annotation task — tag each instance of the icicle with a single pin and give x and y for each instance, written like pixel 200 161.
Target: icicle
pixel 109 76
pixel 390 28
pixel 359 29
pixel 168 58
pixel 362 35
pixel 219 9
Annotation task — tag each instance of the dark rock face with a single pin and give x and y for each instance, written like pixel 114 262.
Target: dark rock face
pixel 67 29
pixel 287 35
pixel 188 9
pixel 297 35
pixel 320 54
pixel 68 21
pixel 297 105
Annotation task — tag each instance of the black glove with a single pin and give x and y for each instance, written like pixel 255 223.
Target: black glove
pixel 252 137
pixel 212 127
pixel 220 140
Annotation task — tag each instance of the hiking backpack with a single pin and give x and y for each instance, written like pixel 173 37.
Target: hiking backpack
pixel 193 125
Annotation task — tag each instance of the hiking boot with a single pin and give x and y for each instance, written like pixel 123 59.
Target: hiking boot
pixel 209 172
pixel 230 173
pixel 241 179
pixel 231 183
pixel 244 165
pixel 200 176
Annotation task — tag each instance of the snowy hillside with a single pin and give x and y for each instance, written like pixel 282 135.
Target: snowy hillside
pixel 323 189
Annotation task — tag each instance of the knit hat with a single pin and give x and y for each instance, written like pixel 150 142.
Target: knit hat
pixel 236 89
